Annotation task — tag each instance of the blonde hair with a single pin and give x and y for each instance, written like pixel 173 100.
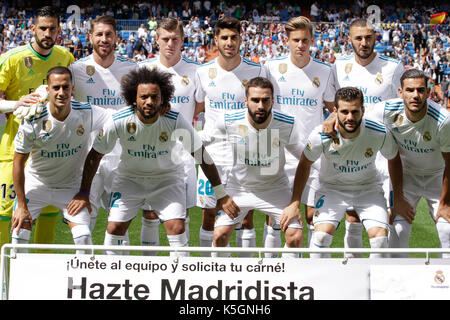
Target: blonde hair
pixel 296 23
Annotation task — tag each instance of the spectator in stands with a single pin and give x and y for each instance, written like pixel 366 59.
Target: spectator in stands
pixel 444 90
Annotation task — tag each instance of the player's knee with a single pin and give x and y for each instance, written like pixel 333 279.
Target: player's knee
pixel 175 226
pixel 221 237
pixel 294 238
pixel 117 228
pixel 322 239
pixel 149 214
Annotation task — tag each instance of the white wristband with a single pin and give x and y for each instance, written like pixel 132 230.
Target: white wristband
pixel 219 191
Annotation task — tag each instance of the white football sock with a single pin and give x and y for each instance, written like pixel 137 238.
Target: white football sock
pixel 378 242
pixel 248 241
pixel 353 237
pixel 206 240
pixel 178 240
pixel 443 229
pixel 81 236
pixel 272 239
pixel 21 237
pixel 113 240
pixel 320 240
pixel 150 235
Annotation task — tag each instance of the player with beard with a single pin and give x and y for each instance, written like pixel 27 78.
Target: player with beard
pixel 147 173
pixel 257 180
pixel 421 128
pixel 221 89
pixel 378 77
pixel 348 176
pixel 97 79
pixel 22 70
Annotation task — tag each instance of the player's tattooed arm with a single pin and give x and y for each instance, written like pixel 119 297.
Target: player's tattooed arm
pixel 444 203
pixel 81 199
pixel 401 206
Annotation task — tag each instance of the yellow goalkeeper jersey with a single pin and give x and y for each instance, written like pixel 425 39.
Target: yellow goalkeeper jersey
pixel 22 70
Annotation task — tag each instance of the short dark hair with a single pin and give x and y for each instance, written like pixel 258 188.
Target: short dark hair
pixel 348 94
pixel 258 82
pixel 134 78
pixel 413 74
pixel 360 22
pixel 105 19
pixel 227 23
pixel 48 12
pixel 59 70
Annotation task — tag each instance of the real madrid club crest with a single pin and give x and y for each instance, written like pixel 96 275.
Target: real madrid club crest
pixel 47 126
pixel 28 61
pixel 398 119
pixel 379 79
pixel 80 130
pixel 316 82
pixel 439 278
pixel 90 70
pixel 243 130
pixel 427 136
pixel 131 127
pixel 185 81
pixel 163 137
pixel 369 153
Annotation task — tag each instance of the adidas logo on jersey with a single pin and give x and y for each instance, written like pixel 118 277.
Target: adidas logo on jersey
pixel 212 84
pixel 282 79
pixel 90 80
pixel 131 138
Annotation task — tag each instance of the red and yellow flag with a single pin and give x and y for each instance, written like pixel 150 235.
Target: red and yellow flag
pixel 438 18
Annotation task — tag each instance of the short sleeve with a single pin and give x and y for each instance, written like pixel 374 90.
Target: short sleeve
pixel 106 138
pixel 314 148
pixel 24 140
pixel 390 148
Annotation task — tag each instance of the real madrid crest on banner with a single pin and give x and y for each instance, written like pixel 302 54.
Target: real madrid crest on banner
pixel 316 82
pixel 131 127
pixel 80 130
pixel 427 136
pixel 163 137
pixel 185 81
pixel 90 70
pixel 379 79
pixel 369 153
pixel 28 61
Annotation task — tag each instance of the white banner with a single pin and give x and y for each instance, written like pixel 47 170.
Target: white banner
pixel 410 282
pixel 78 277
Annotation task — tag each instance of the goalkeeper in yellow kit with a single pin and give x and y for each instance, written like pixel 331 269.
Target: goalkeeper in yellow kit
pixel 22 71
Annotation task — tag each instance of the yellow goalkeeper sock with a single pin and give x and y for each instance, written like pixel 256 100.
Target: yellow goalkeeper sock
pixel 45 228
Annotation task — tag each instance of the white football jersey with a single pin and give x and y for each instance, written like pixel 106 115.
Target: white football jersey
pixel 99 86
pixel 258 155
pixel 350 164
pixel 301 92
pixel 420 143
pixel 147 149
pixel 223 91
pixel 378 81
pixel 58 149
pixel 185 82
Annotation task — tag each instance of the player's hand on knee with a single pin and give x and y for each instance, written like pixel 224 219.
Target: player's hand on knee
pixel 78 203
pixel 20 218
pixel 443 212
pixel 404 209
pixel 290 213
pixel 228 206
